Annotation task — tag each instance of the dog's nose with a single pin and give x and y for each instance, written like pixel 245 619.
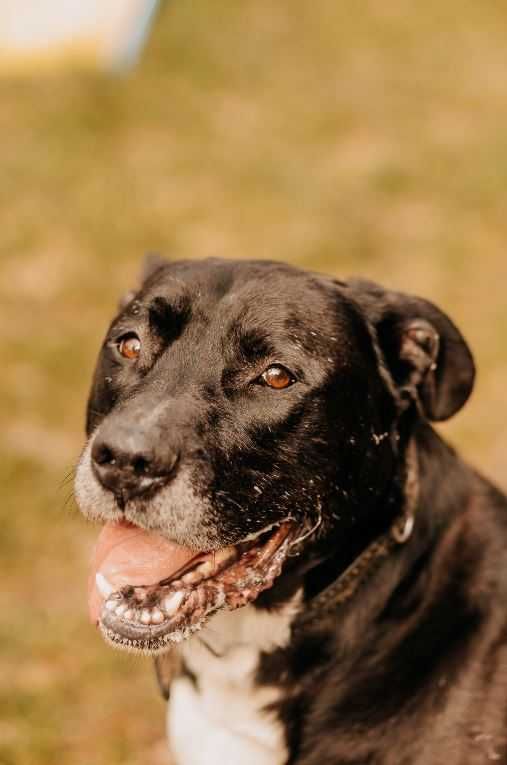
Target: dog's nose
pixel 128 467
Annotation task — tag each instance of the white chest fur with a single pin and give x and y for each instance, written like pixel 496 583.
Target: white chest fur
pixel 224 721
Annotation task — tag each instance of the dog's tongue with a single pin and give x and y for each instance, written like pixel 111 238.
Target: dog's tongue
pixel 125 554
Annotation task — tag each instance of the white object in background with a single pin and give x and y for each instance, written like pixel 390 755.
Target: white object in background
pixel 109 33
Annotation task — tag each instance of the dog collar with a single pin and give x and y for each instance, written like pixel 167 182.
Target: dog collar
pixel 349 581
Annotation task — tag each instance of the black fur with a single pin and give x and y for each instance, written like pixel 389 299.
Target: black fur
pixel 413 669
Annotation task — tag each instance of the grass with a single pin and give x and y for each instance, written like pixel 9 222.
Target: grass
pixel 367 139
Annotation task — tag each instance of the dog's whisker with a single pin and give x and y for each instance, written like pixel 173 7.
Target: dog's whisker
pixel 65 482
pixel 67 504
pixel 69 475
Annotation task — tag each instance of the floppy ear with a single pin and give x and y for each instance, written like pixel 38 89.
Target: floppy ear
pixel 152 262
pixel 427 357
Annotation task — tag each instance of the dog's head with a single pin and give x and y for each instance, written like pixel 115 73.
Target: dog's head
pixel 235 408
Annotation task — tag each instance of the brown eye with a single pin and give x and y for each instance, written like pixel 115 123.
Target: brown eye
pixel 277 377
pixel 129 346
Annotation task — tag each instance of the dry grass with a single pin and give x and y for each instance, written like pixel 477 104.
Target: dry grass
pixel 364 139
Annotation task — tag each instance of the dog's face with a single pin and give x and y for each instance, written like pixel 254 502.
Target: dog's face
pixel 239 401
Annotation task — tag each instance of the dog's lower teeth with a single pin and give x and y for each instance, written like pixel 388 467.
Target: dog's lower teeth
pixel 206 568
pixel 192 577
pixel 171 603
pixel 225 554
pixel 157 617
pixel 129 614
pixel 145 616
pixel 121 609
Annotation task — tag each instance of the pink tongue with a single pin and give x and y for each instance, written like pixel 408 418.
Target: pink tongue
pixel 125 554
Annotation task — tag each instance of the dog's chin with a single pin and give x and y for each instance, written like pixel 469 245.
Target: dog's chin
pixel 148 619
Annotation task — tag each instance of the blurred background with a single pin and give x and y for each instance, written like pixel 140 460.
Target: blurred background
pixel 356 138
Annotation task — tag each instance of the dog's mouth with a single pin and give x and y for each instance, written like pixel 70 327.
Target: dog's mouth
pixel 147 592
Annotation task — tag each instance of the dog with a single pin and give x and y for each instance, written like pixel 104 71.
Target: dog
pixel 320 577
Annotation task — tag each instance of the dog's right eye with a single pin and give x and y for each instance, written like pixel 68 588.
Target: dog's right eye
pixel 129 346
pixel 278 377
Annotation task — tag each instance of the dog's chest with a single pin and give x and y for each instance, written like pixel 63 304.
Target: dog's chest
pixel 222 717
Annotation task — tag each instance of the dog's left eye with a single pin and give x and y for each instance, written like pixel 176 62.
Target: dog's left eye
pixel 129 346
pixel 278 377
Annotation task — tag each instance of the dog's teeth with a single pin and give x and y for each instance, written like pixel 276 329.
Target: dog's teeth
pixel 205 568
pixel 145 616
pixel 157 617
pixel 121 609
pixel 192 577
pixel 103 585
pixel 129 614
pixel 110 605
pixel 171 603
pixel 225 554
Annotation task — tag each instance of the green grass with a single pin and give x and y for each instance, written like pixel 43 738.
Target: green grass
pixel 367 139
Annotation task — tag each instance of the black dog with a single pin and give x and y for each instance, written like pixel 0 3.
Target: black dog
pixel 268 429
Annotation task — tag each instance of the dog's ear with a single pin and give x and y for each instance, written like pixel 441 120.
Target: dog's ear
pixel 427 357
pixel 152 262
